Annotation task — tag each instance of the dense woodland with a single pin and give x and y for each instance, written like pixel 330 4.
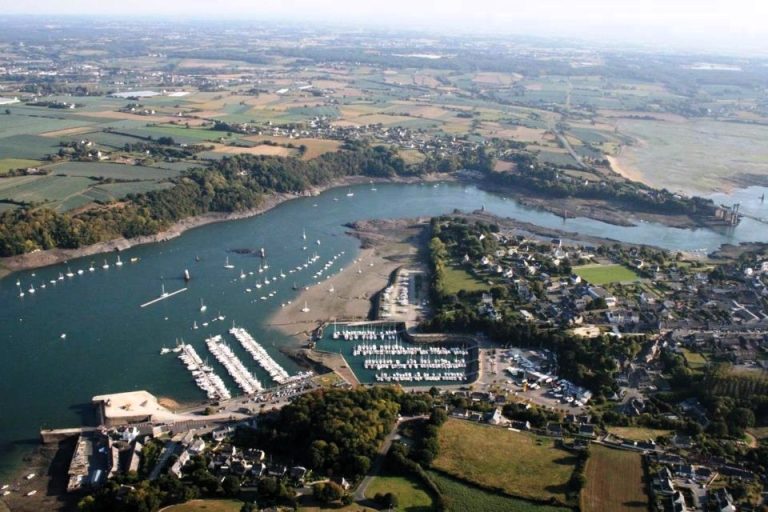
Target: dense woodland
pixel 334 432
pixel 234 184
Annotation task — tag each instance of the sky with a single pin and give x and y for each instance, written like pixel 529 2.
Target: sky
pixel 706 24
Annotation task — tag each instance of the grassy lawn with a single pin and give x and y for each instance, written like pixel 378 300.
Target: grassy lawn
pixel 457 279
pixel 411 496
pixel 604 274
pixel 638 433
pixel 206 506
pixel 695 360
pixel 517 463
pixel 467 498
pixel 614 481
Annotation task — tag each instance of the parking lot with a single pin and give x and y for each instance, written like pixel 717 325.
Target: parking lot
pixel 495 377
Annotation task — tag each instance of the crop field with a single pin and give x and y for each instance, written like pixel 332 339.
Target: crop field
pixel 604 491
pixel 33 122
pixel 261 149
pixel 457 279
pixel 8 164
pixel 519 464
pixel 411 496
pixel 113 171
pixel 315 147
pixel 42 189
pixel 605 274
pixel 462 497
pixel 32 147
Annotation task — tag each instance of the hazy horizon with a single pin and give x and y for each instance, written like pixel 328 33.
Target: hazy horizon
pixel 683 24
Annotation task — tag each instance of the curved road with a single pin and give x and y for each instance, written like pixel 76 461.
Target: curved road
pixel 380 455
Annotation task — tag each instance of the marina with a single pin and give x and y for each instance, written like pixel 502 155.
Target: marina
pixel 223 354
pixel 378 353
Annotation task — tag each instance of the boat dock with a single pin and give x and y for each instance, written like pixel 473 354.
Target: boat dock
pixel 260 355
pixel 163 297
pixel 205 378
pixel 223 354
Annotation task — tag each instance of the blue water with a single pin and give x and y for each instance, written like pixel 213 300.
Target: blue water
pixel 113 345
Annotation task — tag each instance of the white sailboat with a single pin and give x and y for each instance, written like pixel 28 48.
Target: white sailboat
pixel 305 309
pixel 303 234
pixel 227 264
pixel 118 263
pixel 350 193
pixel 70 273
pixel 91 268
pixel 243 275
pixel 163 293
pixel 203 307
pixel 105 266
pixel 194 325
pixel 31 288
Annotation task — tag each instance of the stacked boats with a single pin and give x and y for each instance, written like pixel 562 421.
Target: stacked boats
pixel 223 354
pixel 205 378
pixel 276 372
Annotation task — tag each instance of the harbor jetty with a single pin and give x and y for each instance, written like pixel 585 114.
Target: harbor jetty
pixel 276 372
pixel 223 354
pixel 205 378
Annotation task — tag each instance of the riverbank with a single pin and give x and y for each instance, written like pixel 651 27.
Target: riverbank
pixel 48 257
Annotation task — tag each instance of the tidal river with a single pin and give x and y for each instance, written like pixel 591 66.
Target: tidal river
pixel 87 334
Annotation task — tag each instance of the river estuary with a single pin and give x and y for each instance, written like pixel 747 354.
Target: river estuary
pixel 112 344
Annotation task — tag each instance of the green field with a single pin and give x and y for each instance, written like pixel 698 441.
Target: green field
pixel 604 274
pixel 31 147
pixel 461 497
pixel 8 164
pixel 411 496
pixel 604 491
pixel 457 279
pixel 113 171
pixel 517 463
pixel 42 189
pixel 206 506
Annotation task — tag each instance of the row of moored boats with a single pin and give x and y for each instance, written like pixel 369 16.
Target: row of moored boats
pixel 62 275
pixel 205 378
pixel 419 376
pixel 398 349
pixel 423 363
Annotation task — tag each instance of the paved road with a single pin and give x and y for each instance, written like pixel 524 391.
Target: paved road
pixel 380 456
